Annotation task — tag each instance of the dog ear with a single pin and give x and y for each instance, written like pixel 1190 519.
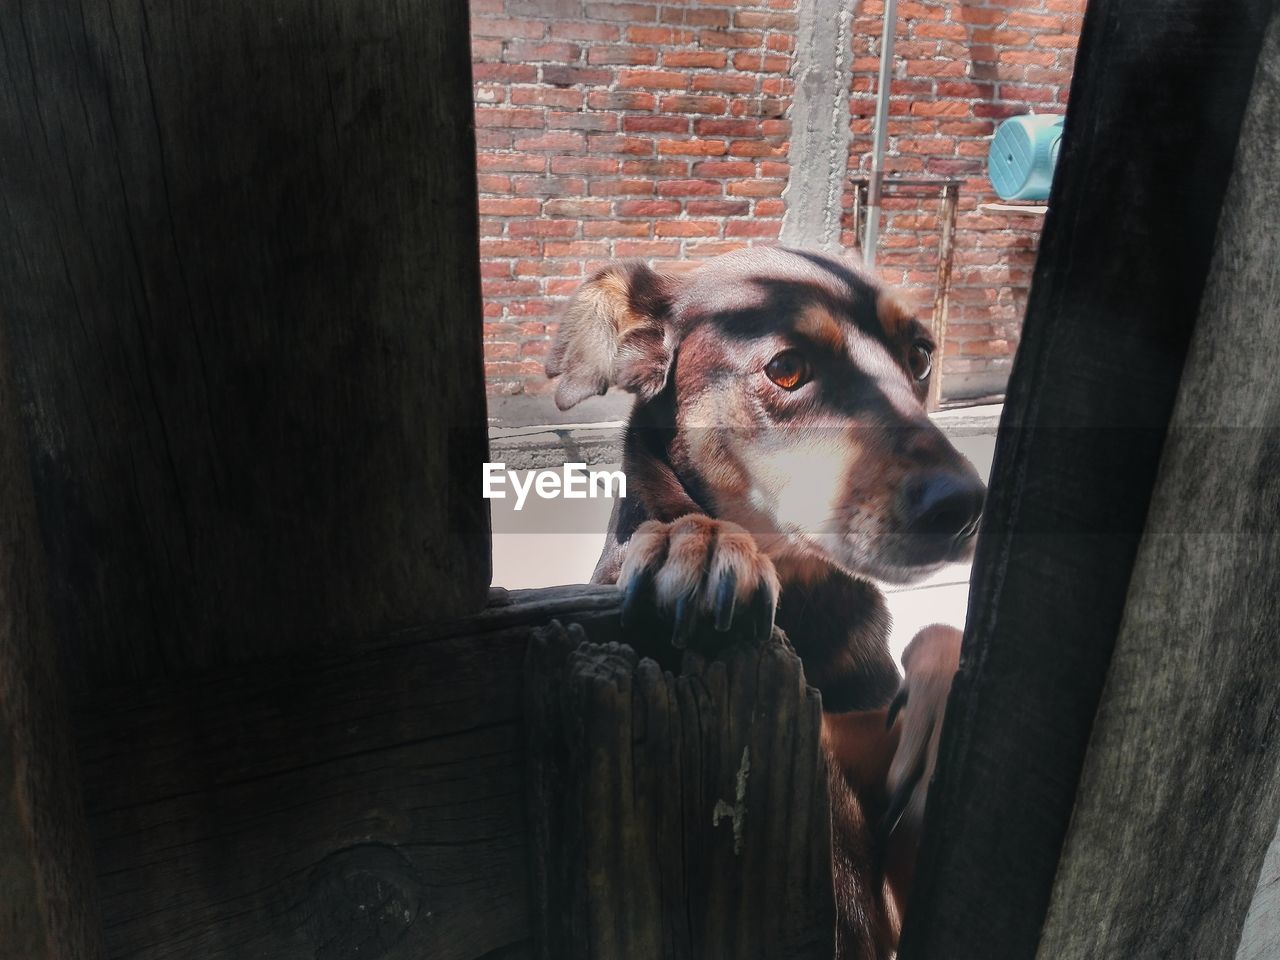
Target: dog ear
pixel 616 332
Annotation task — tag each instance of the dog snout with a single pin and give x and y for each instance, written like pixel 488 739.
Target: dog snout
pixel 942 504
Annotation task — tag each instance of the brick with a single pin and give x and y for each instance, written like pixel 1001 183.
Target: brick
pixel 631 146
pixel 562 141
pixel 647 248
pixel 493 139
pixel 588 166
pixel 629 56
pixel 667 36
pixel 756 188
pixel 578 208
pixel 712 59
pixel 770 208
pixel 617 188
pixel 1064 41
pixel 652 79
pixel 687 228
pixel 723 83
pixel 756 148
pixel 650 208
pixel 482 49
pixel 1027 93
pixel 546 97
pixel 695 17
pixel 965 89
pixel 724 168
pixel 595 122
pixel 718 208
pixel 686 188
pixel 778 43
pixel 548 186
pixel 493 183
pixel 713 248
pixel 577 30
pixel 719 127
pixel 1028 57
pixel 693 104
pixel 626 12
pixel 940 31
pixel 499 350
pixel 507 248
pixel 560 75
pixel 1002 37
pixel 760 20
pixel 1037 21
pixel 693 147
pixel 510 288
pixel 619 100
pixel 505 117
pixel 510 163
pixel 509 207
pixel 617 228
pixel 937 68
pixel 659 124
pixel 666 167
pixel 576 249
pixel 541 228
pixel 522 51
pixel 969 128
pixel 504 72
pixel 941 108
pixel 753 228
pixel 732 39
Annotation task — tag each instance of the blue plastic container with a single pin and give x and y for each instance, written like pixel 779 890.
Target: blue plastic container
pixel 1023 154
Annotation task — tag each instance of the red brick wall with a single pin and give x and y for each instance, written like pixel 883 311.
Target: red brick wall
pixel 660 130
pixel 962 68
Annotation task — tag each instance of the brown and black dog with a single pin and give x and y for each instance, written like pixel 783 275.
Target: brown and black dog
pixel 780 459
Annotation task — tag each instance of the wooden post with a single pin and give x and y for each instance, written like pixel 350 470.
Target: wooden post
pixel 676 817
pixel 1155 116
pixel 1180 792
pixel 48 904
pixel 242 286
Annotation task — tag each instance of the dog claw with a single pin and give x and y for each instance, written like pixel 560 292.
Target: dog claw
pixel 762 608
pixel 684 622
pixel 635 597
pixel 726 596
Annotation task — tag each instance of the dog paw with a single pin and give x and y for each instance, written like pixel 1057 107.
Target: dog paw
pixel 930 660
pixel 708 577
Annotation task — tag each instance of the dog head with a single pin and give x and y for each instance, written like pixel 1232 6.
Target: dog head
pixel 793 388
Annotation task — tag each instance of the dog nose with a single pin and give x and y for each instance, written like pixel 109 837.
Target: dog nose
pixel 943 505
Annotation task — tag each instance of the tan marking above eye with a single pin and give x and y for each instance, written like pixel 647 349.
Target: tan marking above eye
pixel 789 370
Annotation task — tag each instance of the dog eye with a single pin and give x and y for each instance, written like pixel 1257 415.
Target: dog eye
pixel 921 360
pixel 789 370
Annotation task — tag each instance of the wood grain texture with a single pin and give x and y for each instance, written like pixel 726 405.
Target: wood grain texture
pixel 362 806
pixel 48 907
pixel 1180 792
pixel 1260 939
pixel 1156 107
pixel 242 287
pixel 676 817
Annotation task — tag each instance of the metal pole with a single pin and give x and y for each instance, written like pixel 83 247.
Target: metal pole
pixel 878 144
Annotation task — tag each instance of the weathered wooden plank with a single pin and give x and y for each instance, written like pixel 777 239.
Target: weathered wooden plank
pixel 1156 106
pixel 1260 939
pixel 369 805
pixel 242 287
pixel 48 907
pixel 676 817
pixel 1180 792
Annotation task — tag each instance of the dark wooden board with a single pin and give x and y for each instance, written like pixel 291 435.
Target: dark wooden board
pixel 48 906
pixel 242 287
pixel 1156 107
pixel 1180 792
pixel 676 817
pixel 358 806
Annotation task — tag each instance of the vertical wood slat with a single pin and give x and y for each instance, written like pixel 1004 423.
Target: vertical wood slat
pixel 1155 113
pixel 243 294
pixel 1180 792
pixel 48 904
pixel 675 817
